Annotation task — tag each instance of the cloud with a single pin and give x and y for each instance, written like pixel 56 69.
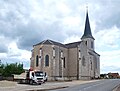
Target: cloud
pixel 72 39
pixel 28 26
pixel 26 63
pixel 110 61
pixel 25 23
pixel 3 49
pixel 106 14
pixel 108 38
pixel 4 44
pixel 31 22
pixel 15 55
pixel 108 69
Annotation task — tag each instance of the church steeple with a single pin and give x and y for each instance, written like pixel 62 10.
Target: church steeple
pixel 87 36
pixel 87 30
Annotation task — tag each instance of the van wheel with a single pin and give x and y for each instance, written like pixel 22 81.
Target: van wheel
pixel 31 82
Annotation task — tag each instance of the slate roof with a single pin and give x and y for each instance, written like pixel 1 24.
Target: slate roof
pixel 73 45
pixel 69 45
pixel 50 42
pixel 87 30
pixel 93 52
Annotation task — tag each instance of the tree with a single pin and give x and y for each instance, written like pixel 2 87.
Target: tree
pixel 1 68
pixel 0 62
pixel 9 69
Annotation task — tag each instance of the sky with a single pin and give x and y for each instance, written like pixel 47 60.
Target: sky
pixel 24 23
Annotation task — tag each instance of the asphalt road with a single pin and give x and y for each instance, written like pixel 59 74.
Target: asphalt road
pixel 104 85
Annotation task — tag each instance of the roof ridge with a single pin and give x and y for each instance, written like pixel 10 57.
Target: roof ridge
pixel 44 41
pixel 69 45
pixel 73 42
pixel 50 41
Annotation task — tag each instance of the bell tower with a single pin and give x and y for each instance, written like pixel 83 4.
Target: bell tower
pixel 87 36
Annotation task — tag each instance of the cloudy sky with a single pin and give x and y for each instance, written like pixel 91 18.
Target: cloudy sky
pixel 24 23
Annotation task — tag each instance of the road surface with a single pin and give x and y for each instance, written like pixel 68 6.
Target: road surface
pixel 103 85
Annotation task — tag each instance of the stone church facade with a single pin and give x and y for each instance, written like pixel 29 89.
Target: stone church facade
pixel 77 60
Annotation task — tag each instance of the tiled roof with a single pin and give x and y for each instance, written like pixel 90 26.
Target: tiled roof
pixel 113 74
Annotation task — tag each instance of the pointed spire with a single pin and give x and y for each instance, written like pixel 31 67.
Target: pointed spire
pixel 87 30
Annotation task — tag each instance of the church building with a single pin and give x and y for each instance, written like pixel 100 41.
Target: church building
pixel 77 60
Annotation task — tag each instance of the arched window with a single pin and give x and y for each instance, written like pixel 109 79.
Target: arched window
pixel 83 61
pixel 79 54
pixel 61 54
pixel 91 64
pixel 46 60
pixel 95 62
pixel 92 45
pixel 64 62
pixel 37 59
pixel 40 52
pixel 86 43
pixel 53 52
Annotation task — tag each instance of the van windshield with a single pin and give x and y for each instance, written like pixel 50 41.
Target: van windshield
pixel 39 74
